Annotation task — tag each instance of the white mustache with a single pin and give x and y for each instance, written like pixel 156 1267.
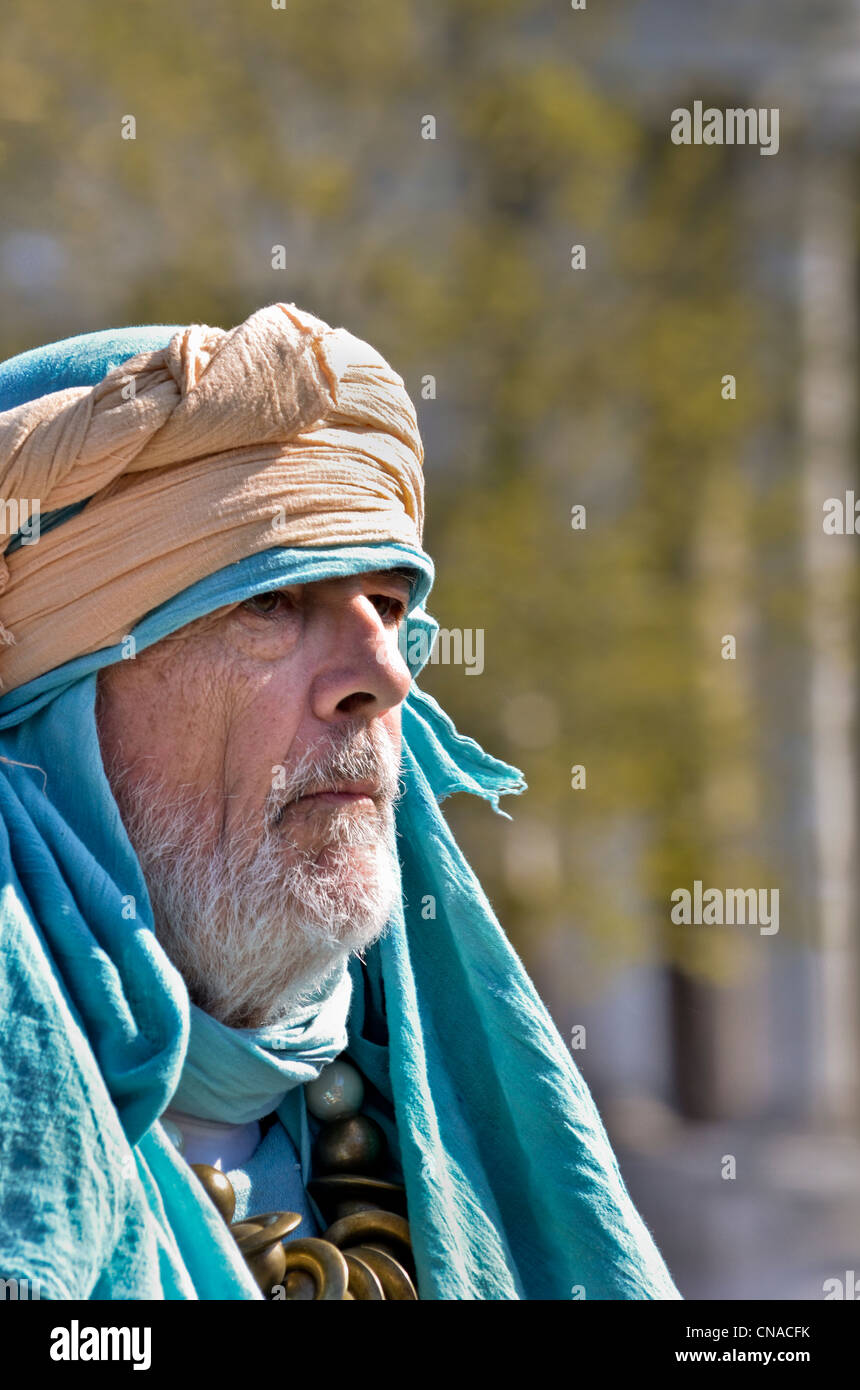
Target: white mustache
pixel 361 757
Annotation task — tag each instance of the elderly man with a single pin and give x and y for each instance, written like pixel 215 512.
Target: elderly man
pixel 263 1035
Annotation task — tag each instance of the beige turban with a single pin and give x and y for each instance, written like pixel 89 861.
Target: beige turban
pixel 281 432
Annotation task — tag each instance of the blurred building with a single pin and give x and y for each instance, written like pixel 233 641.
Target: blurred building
pixel 764 1068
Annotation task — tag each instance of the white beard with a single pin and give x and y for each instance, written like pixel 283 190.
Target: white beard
pixel 256 923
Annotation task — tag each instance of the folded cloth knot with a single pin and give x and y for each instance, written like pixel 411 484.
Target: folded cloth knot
pixel 280 432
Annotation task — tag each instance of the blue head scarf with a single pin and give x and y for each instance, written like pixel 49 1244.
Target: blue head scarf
pixel 513 1190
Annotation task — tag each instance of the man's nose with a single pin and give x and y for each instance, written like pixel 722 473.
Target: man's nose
pixel 361 670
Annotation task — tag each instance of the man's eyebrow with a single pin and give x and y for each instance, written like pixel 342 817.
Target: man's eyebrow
pixel 401 571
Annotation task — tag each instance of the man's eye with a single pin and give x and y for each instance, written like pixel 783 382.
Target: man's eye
pixel 264 604
pixel 389 609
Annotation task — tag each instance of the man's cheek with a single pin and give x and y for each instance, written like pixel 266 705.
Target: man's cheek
pixel 257 759
pixel 216 694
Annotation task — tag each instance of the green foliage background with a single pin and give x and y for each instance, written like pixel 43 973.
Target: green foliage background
pixel 302 127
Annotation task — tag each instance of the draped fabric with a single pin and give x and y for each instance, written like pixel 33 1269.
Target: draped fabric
pixel 512 1187
pixel 235 1075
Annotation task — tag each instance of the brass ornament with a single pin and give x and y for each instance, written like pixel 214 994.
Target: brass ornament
pixel 370 1228
pixel 260 1240
pixel 364 1284
pixel 299 1286
pixel 343 1194
pixel 323 1262
pixel 397 1287
pixel 268 1267
pixel 365 1254
pixel 255 1233
pixel 354 1144
pixel 219 1188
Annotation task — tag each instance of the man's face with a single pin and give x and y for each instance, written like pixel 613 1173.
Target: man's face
pixel 254 757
